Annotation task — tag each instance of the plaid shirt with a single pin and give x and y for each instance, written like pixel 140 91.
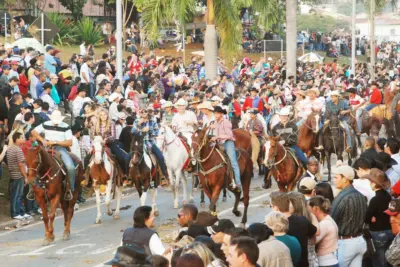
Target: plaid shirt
pixel 333 109
pixel 148 136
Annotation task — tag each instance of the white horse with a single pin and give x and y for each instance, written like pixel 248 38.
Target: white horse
pixel 176 156
pixel 101 157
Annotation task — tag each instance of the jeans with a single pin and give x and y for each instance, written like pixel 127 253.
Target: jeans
pixel 69 164
pixel 160 158
pixel 348 133
pixel 30 205
pixel 351 251
pixel 17 192
pixel 229 146
pixel 358 119
pixel 91 90
pixel 300 155
pixel 370 106
pixel 382 241
pixel 123 158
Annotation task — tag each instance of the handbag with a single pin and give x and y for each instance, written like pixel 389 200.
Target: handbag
pixel 371 250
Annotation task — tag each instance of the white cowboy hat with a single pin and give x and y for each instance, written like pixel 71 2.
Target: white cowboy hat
pixel 121 115
pixel 181 102
pixel 336 93
pixel 56 117
pixel 205 105
pixel 168 104
pixel 284 112
pixel 216 98
pixel 214 83
pixel 277 91
pixel 114 96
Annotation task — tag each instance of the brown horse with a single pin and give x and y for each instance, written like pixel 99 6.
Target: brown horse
pixel 308 134
pixel 50 187
pixel 282 166
pixel 215 175
pixel 144 177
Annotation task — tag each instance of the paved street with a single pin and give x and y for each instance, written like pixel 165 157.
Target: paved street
pixel 92 245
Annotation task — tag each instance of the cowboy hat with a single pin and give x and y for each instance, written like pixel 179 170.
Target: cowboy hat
pixel 56 117
pixel 277 91
pixel 313 90
pixel 219 109
pixel 205 105
pixel 114 96
pixel 195 100
pixel 181 102
pixel 168 104
pixel 378 177
pixel 121 115
pixel 386 159
pixel 336 93
pixel 253 89
pixel 300 92
pixel 216 99
pixel 284 112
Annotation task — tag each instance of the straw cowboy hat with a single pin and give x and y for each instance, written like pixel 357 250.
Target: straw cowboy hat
pixel 378 177
pixel 277 91
pixel 300 92
pixel 336 93
pixel 56 117
pixel 168 104
pixel 195 100
pixel 205 105
pixel 181 102
pixel 313 90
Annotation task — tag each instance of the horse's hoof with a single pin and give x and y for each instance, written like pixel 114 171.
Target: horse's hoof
pixel 156 213
pixel 176 206
pixel 203 205
pixel 223 199
pixel 116 217
pixel 98 221
pixel 110 213
pixel 191 201
pixel 242 225
pixel 47 242
pixel 66 236
pixel 237 213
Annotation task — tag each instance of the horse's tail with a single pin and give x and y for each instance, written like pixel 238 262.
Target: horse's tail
pixel 389 128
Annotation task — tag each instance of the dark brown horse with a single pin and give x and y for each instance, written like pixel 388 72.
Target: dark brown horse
pixel 50 186
pixel 282 166
pixel 308 134
pixel 215 175
pixel 144 177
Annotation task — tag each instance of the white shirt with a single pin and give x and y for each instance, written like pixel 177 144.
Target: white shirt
pixel 47 98
pixel 113 110
pixel 77 105
pixel 85 69
pixel 75 148
pixel 396 167
pixel 207 121
pixel 364 187
pixel 179 122
pixel 32 86
pixel 61 132
pixel 230 88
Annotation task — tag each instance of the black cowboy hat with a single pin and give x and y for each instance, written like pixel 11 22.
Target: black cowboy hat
pixel 386 159
pixel 253 89
pixel 128 257
pixel 351 91
pixel 253 111
pixel 219 110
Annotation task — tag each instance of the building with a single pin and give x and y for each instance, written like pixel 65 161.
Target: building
pixel 387 27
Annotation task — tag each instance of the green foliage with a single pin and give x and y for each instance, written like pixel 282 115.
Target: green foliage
pixel 320 23
pixel 75 6
pixel 67 32
pixel 88 32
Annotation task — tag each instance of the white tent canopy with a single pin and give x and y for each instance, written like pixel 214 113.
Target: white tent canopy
pixel 311 57
pixel 24 43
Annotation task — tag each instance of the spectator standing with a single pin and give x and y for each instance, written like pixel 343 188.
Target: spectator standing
pixel 243 252
pixel 49 61
pixel 393 253
pixel 392 148
pixel 348 210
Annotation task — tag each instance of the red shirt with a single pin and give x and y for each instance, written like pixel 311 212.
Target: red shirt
pixel 236 107
pixel 248 103
pixel 23 84
pixel 73 93
pixel 376 97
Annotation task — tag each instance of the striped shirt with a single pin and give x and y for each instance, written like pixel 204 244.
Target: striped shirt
pixel 348 210
pixel 14 157
pixel 61 132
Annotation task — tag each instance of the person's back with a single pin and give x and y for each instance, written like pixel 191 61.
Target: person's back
pixel 274 253
pixel 294 246
pixel 302 229
pixel 139 237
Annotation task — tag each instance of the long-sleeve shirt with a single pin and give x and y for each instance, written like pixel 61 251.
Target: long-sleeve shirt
pixel 222 130
pixel 328 238
pixel 348 210
pixel 184 123
pixel 255 126
pixel 376 97
pixel 378 204
pixel 149 135
pixel 287 132
pixel 392 255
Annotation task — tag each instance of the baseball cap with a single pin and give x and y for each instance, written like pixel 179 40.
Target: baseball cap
pixel 346 171
pixel 394 207
pixel 6 67
pixel 221 226
pixel 49 48
pixel 14 62
pixel 307 183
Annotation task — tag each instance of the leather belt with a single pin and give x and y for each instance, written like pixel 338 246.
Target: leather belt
pixel 349 236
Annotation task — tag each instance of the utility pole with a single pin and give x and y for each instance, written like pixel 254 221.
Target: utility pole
pixel 119 41
pixel 353 40
pixel 372 38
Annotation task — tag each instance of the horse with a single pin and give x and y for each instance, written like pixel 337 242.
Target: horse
pixel 105 172
pixel 334 142
pixel 50 188
pixel 177 158
pixel 308 134
pixel 143 171
pixel 282 165
pixel 215 174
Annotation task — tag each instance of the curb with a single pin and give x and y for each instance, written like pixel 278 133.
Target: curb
pixel 90 201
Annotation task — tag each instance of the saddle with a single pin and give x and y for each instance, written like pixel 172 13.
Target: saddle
pixel 381 111
pixel 293 154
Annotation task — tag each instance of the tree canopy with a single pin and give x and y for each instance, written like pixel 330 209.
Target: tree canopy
pixel 75 6
pixel 320 23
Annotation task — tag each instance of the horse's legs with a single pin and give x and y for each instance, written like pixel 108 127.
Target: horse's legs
pixel 67 220
pixel 143 197
pixel 108 196
pixel 175 186
pixel 191 199
pixel 54 202
pixel 214 198
pixel 119 196
pixel 328 161
pixel 236 204
pixel 97 191
pixel 41 201
pixel 246 180
pixel 224 195
pixel 153 201
pixel 184 181
pixel 202 202
pixel 281 187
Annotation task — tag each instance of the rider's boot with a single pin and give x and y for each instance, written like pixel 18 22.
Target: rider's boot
pixel 320 142
pixel 68 193
pixel 31 194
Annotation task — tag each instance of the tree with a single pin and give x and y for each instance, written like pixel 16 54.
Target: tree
pixel 127 9
pixel 75 6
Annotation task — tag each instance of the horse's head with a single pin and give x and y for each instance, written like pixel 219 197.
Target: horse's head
pixel 137 148
pixel 271 150
pixel 98 145
pixel 199 138
pixel 313 121
pixel 33 162
pixel 334 125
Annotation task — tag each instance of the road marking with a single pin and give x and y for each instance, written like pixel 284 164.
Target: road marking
pixel 35 252
pixel 63 250
pixel 60 216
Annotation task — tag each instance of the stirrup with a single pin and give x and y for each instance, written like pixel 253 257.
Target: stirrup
pixel 30 195
pixel 68 195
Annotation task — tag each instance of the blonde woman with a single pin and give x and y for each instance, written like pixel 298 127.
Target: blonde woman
pixel 18 126
pixel 104 126
pixel 209 259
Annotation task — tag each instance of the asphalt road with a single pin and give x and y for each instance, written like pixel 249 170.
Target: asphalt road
pixel 92 244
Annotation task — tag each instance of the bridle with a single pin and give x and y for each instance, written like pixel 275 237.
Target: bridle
pixel 271 163
pixel 164 140
pixel 47 173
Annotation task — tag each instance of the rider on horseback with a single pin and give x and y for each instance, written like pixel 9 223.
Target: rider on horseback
pixel 59 135
pixel 149 128
pixel 221 130
pixel 287 130
pixel 341 108
pixel 184 121
pixel 256 129
pixel 356 102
